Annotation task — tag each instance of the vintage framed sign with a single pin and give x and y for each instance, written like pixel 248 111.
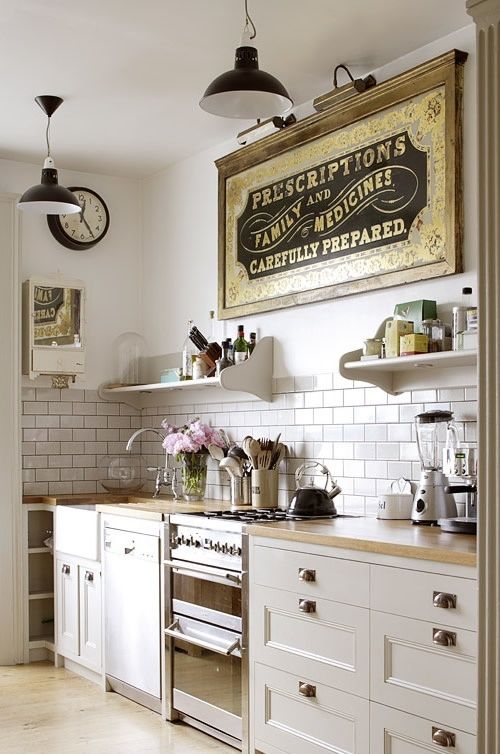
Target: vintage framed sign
pixel 361 196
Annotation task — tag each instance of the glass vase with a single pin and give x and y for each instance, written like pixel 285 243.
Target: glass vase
pixel 193 475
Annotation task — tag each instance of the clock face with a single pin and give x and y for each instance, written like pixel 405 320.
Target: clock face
pixel 81 230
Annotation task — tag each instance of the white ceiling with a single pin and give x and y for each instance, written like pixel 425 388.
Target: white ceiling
pixel 132 71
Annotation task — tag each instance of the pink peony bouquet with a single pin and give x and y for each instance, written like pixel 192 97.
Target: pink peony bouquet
pixel 194 437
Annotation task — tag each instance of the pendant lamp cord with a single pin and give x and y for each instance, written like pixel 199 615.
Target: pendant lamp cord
pixel 47 131
pixel 249 22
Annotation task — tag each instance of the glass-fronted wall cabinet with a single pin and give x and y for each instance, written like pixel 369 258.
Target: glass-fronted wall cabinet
pixel 53 329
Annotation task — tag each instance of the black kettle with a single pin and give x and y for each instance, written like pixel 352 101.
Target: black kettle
pixel 310 501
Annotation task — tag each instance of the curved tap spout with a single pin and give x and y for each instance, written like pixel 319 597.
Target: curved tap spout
pixel 138 432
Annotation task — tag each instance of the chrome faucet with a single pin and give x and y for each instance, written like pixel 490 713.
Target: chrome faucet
pixel 162 472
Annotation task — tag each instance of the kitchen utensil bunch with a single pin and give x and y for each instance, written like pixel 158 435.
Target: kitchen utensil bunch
pixel 264 453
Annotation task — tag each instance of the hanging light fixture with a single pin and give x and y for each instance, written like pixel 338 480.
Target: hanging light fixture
pixel 246 91
pixel 48 198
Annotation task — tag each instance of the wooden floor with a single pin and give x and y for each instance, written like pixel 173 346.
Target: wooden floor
pixel 44 710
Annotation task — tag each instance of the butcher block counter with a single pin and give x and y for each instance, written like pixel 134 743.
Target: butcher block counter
pixel 398 538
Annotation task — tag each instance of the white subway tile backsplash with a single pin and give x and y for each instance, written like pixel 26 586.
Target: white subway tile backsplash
pixel 388 451
pixel 386 414
pixel 333 432
pixel 375 432
pixel 343 415
pixel 313 432
pixel 399 432
pixel 365 451
pixel 353 433
pixel 35 407
pixel 303 383
pixel 60 407
pixel 364 436
pixel 323 415
pixel 354 397
pixel 364 414
pixel 313 399
pixel 323 381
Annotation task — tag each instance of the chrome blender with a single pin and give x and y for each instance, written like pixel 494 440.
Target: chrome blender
pixel 435 432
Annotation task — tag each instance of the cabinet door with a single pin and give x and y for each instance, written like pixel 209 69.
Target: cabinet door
pixel 395 732
pixel 427 668
pixel 325 639
pixel 90 616
pixel 67 606
pixel 297 715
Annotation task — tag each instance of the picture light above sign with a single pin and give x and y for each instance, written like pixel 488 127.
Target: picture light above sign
pixel 83 230
pixel 363 195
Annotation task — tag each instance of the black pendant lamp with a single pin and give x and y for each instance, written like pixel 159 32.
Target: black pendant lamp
pixel 48 198
pixel 246 91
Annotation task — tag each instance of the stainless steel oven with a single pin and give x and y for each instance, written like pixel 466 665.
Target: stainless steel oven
pixel 206 647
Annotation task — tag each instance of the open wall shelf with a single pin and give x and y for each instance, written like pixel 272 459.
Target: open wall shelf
pixel 428 370
pixel 250 380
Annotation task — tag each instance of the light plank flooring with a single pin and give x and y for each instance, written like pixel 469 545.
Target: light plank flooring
pixel 44 710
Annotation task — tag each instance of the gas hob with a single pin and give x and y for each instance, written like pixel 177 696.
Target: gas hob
pixel 258 515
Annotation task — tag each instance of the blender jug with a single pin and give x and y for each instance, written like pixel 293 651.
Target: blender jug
pixel 435 431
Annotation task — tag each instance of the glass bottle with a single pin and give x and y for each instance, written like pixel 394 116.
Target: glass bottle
pixel 223 362
pixel 188 351
pixel 252 342
pixel 240 349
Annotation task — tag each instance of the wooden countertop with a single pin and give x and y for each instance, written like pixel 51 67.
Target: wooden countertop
pixel 140 505
pixel 399 538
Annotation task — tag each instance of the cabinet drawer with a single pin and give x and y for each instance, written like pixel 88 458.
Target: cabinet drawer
pixel 410 672
pixel 395 732
pixel 58 360
pixel 328 721
pixel 425 596
pixel 331 643
pixel 332 578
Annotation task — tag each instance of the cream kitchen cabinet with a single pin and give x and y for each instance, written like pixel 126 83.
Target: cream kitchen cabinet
pixel 79 612
pixel 359 652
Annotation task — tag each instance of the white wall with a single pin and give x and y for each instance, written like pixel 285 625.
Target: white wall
pixel 180 254
pixel 112 269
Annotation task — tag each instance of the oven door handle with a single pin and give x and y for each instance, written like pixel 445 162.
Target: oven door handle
pixel 212 574
pixel 176 634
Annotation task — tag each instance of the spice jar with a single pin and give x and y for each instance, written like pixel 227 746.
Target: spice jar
pixel 373 347
pixel 438 333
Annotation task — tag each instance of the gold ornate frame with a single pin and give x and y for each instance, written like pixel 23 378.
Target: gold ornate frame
pixel 434 244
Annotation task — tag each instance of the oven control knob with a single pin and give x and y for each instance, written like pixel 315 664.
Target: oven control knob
pixel 239 551
pixel 178 540
pixel 217 547
pixel 183 540
pixel 197 543
pixel 225 548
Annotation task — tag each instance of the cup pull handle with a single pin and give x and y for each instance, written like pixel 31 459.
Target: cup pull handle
pixel 444 600
pixel 307 689
pixel 307 606
pixel 443 738
pixel 444 638
pixel 66 569
pixel 89 576
pixel 305 574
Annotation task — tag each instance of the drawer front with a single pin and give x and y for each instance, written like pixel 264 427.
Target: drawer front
pixel 330 643
pixel 410 672
pixel 312 575
pixel 395 732
pixel 327 721
pixel 425 596
pixel 57 360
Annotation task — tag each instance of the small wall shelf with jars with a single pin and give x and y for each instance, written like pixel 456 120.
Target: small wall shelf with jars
pixel 403 373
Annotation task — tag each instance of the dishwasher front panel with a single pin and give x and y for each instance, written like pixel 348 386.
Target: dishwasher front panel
pixel 132 609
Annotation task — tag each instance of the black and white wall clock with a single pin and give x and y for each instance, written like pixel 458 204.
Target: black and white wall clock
pixel 81 230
